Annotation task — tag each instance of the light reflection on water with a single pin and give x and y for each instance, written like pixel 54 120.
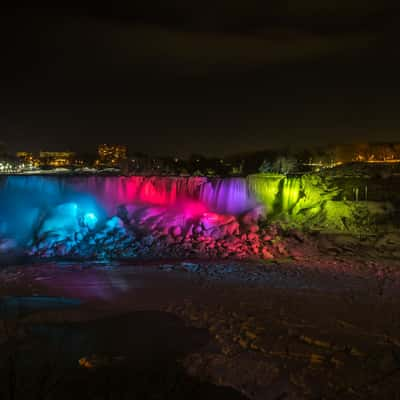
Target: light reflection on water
pixel 89 281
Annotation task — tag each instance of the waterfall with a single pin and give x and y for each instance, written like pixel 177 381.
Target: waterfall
pixel 266 189
pixel 24 199
pixel 290 193
pixel 113 191
pixel 228 196
pixel 277 192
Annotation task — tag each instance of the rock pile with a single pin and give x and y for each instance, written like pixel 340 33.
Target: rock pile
pixel 158 232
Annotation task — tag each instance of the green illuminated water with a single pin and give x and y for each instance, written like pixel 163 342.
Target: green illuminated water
pixel 289 193
pixel 266 190
pixel 277 192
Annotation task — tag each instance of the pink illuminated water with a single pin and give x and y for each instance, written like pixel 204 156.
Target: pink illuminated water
pixel 113 191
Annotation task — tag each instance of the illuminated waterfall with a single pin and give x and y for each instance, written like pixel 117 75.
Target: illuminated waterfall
pixel 290 193
pixel 25 199
pixel 266 189
pixel 277 192
pixel 228 196
pixel 110 192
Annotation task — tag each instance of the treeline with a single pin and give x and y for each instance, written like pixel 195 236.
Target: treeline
pixel 283 160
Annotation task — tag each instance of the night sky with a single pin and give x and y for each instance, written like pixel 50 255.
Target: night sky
pixel 215 77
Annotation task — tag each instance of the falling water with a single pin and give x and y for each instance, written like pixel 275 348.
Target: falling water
pixel 25 198
pixel 277 192
pixel 113 191
pixel 266 189
pixel 228 196
pixel 290 193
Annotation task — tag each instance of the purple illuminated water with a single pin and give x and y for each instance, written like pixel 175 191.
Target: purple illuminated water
pixel 227 196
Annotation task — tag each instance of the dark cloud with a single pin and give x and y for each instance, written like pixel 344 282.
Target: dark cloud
pixel 200 76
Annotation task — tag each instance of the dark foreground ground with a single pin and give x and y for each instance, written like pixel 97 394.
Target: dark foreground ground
pixel 307 329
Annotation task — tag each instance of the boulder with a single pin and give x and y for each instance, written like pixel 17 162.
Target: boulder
pixel 254 228
pixel 266 254
pixel 176 231
pixel 213 220
pixel 114 223
pixel 253 216
pixel 252 237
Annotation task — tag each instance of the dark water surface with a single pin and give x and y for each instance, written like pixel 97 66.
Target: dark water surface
pixel 131 356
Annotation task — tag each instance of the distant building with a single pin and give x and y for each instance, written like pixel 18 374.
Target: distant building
pixel 111 155
pixel 28 159
pixel 24 155
pixel 56 158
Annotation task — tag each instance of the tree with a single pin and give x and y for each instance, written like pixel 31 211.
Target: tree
pixel 284 165
pixel 266 167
